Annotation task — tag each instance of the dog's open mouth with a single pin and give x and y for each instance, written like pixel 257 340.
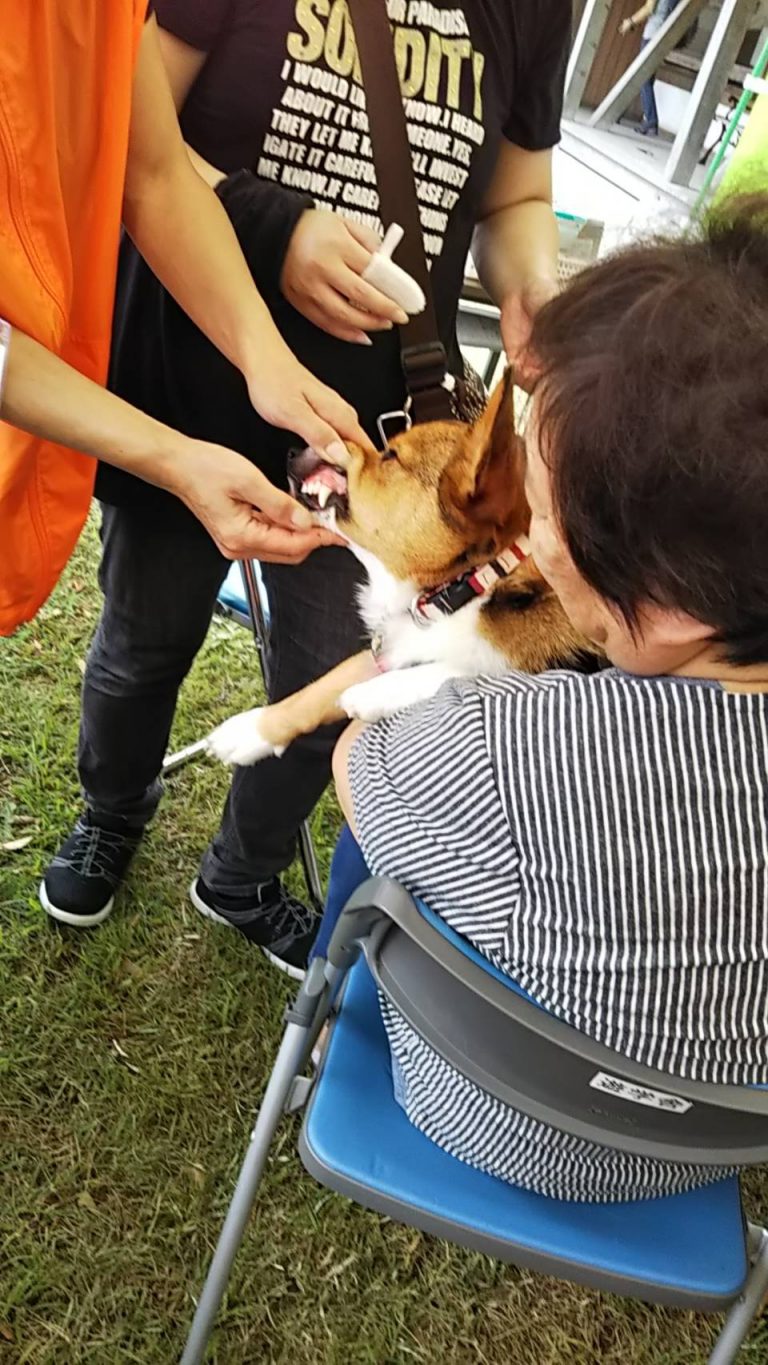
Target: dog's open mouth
pixel 318 485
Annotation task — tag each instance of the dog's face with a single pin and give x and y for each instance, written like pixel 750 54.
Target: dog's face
pixel 440 499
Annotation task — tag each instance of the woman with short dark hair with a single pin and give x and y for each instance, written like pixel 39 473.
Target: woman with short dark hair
pixel 604 839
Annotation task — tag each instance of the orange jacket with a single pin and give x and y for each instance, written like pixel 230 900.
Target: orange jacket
pixel 66 72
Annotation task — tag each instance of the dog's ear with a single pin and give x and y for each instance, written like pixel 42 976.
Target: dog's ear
pixel 483 484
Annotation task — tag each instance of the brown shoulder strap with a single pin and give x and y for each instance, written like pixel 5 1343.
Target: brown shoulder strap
pixel 423 355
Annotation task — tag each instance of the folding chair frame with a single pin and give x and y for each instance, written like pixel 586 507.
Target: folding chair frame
pixel 364 925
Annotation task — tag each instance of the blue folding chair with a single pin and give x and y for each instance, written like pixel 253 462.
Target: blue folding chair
pixel 243 598
pixel 692 1250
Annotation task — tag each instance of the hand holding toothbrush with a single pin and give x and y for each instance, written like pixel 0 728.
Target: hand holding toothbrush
pixel 340 275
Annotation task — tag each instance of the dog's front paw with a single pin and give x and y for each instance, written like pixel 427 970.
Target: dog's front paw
pixel 393 691
pixel 371 700
pixel 240 740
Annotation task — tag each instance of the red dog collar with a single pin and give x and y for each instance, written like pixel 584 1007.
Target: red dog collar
pixel 451 596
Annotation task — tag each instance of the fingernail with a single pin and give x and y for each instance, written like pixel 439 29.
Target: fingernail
pixel 301 518
pixel 402 317
pixel 337 451
pixel 364 340
pixel 387 326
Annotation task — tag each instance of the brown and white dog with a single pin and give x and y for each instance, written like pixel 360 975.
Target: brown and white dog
pixel 439 520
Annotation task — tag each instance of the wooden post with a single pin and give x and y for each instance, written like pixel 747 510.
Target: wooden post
pixel 732 22
pixel 585 45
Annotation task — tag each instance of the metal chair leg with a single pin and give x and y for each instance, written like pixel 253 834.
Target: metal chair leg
pixel 746 1308
pixel 304 1021
pixel 311 870
pixel 259 624
pixel 177 760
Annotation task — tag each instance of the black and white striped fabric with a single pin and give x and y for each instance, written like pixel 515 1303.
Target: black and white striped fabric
pixel 604 841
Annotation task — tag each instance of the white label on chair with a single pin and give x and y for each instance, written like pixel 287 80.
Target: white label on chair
pixel 639 1094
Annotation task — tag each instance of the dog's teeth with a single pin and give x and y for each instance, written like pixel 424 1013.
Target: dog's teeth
pixel 323 494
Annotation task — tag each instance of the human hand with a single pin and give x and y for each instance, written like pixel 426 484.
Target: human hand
pixel 322 272
pixel 625 27
pixel 285 393
pixel 518 310
pixel 244 513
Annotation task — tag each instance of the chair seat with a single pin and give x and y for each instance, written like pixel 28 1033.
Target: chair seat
pixel 232 592
pixel 686 1249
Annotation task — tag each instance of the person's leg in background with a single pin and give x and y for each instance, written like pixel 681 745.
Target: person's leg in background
pixel 348 871
pixel 160 583
pixel 650 123
pixel 314 626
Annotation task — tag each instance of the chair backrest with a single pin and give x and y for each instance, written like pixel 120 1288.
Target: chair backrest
pixel 486 1027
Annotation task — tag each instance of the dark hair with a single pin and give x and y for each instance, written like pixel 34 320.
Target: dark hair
pixel 652 407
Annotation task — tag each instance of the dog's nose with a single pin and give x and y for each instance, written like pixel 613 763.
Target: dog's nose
pixel 302 464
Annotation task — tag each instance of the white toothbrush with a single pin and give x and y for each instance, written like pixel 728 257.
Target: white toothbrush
pixel 382 272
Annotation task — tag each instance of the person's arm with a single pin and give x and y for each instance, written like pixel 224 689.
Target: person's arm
pixel 341 771
pixel 241 509
pixel 183 233
pixel 183 64
pixel 515 244
pixel 421 796
pixel 639 17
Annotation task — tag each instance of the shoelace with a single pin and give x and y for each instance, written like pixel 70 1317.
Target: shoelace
pixel 289 916
pixel 93 845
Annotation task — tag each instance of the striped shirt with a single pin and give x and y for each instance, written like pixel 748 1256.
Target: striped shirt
pixel 604 841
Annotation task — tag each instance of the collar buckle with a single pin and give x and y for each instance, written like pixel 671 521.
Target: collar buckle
pixel 450 597
pixel 400 416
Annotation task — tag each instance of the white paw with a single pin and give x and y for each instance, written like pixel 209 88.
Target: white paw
pixel 372 700
pixel 239 740
pixel 393 691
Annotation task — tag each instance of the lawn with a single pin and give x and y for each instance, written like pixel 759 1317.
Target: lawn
pixel 132 1059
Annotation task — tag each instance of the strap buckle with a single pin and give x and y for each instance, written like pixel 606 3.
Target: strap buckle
pixel 424 365
pixel 425 370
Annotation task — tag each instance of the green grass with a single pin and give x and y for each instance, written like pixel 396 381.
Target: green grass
pixel 116 1170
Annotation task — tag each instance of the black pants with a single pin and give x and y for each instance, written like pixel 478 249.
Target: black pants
pixel 160 585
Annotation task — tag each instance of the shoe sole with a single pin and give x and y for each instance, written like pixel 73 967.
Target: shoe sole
pixel 68 917
pixel 295 973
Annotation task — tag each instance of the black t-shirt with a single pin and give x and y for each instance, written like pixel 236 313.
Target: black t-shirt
pixel 279 95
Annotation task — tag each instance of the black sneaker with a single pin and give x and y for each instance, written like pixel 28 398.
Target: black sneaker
pixel 79 884
pixel 281 926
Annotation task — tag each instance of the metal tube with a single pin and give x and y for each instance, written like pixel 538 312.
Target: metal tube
pixel 744 1311
pixel 272 1107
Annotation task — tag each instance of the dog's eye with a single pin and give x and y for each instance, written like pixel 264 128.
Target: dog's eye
pixel 388 454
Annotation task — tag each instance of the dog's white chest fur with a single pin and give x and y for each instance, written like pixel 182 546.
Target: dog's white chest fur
pixel 416 660
pixel 454 640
